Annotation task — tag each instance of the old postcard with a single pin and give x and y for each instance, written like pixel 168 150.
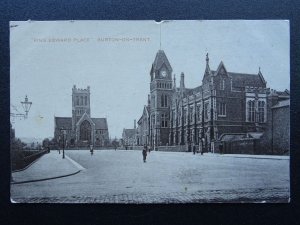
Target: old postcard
pixel 150 112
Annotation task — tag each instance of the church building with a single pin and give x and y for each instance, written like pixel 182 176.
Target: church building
pixel 81 130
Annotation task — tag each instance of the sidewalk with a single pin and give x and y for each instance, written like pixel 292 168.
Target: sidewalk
pixel 49 166
pixel 276 157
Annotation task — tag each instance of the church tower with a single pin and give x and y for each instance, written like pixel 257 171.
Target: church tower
pixel 80 104
pixel 161 89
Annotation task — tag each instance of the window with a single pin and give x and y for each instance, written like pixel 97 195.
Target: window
pixel 164 122
pixel 85 100
pixel 77 100
pixel 198 112
pixel 164 100
pixel 261 111
pixel 222 109
pixel 191 113
pixel 184 115
pixel 222 84
pixel 81 100
pixel 206 110
pixel 251 111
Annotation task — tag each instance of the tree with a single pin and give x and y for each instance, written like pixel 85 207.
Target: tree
pixel 46 143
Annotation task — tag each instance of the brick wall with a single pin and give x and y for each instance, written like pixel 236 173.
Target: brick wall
pixel 281 130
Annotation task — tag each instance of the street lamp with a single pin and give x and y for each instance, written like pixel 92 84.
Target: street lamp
pixel 63 132
pixel 26 106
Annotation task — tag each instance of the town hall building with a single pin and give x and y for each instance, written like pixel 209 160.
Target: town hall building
pixel 81 130
pixel 226 105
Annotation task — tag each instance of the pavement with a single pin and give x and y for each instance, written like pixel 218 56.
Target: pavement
pixel 49 166
pixel 167 177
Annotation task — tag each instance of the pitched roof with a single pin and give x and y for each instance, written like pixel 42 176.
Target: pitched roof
pixel 65 122
pixel 283 103
pixel 243 79
pixel 100 123
pixel 159 60
pixel 130 133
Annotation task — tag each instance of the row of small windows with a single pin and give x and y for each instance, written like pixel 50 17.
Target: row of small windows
pixel 100 131
pixel 82 100
pixel 198 116
pixel 80 112
pixel 164 85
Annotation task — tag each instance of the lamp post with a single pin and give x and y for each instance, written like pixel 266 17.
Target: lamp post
pixel 26 106
pixel 63 132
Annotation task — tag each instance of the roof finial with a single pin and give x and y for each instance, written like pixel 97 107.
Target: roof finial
pixel 207 69
pixel 259 69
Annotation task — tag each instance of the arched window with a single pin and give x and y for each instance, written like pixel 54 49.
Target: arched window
pixel 251 111
pixel 261 111
pixel 85 100
pixel 77 100
pixel 81 100
pixel 162 101
pixel 85 131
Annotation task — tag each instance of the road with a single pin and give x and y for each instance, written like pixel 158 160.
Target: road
pixel 167 177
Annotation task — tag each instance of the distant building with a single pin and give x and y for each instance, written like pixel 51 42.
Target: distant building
pixel 225 104
pixel 129 136
pixel 81 128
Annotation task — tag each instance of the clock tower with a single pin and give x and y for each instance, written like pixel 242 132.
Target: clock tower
pixel 160 99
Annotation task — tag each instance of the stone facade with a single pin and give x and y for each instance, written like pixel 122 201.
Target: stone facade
pixel 225 103
pixel 80 129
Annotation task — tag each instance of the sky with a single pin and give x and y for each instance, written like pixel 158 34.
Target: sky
pixel 114 58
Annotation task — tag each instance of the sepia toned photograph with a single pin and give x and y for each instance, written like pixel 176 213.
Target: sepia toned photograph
pixel 145 112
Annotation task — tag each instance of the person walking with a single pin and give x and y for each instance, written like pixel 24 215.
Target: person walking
pixel 91 149
pixel 144 152
pixel 194 149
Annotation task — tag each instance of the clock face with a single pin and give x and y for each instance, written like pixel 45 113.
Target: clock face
pixel 163 73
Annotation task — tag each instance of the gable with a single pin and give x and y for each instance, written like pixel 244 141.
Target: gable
pixel 222 71
pixel 85 116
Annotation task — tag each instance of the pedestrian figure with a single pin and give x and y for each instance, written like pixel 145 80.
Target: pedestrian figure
pixel 144 153
pixel 91 149
pixel 221 148
pixel 202 147
pixel 194 149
